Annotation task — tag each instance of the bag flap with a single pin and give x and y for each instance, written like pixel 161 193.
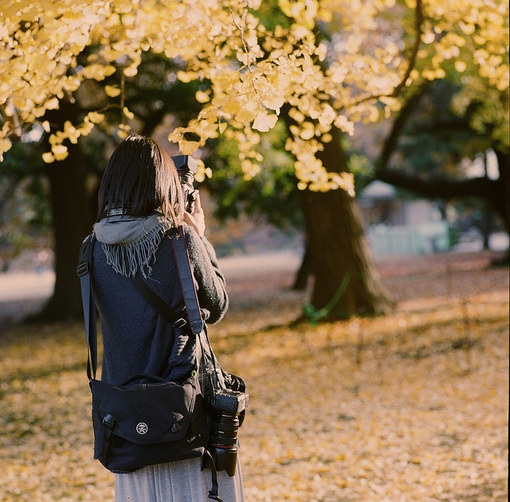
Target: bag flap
pixel 145 413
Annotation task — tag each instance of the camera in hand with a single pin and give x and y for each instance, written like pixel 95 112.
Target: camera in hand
pixel 186 169
pixel 229 406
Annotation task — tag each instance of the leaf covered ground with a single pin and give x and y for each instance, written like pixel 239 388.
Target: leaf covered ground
pixel 408 407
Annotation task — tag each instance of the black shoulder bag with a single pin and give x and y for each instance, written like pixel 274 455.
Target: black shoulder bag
pixel 149 420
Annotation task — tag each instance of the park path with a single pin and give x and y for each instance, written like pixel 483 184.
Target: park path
pixel 23 293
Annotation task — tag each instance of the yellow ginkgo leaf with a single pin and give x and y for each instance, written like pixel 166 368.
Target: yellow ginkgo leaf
pixel 48 157
pixel 460 66
pixel 186 76
pixel 60 152
pixel 111 91
pixel 307 131
pixel 202 97
pixel 95 117
pixel 327 116
pixel 188 147
pixel 128 113
pixel 130 71
pixel 52 104
pixel 263 122
pixel 244 115
pixel 274 103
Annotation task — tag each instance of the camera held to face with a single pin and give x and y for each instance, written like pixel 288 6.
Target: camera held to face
pixel 186 169
pixel 229 407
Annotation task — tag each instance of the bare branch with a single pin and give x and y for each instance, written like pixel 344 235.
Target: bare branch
pixel 246 49
pixel 418 22
pixel 400 121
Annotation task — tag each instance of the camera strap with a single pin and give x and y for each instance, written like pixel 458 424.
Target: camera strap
pixel 187 285
pixel 211 377
pixel 197 326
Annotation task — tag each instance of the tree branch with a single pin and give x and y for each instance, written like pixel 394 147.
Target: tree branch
pixel 399 123
pixel 418 22
pixel 437 187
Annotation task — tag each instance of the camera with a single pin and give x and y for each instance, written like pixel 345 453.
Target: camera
pixel 228 413
pixel 186 169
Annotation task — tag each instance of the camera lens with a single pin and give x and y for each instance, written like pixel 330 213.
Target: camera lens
pixel 187 167
pixel 223 441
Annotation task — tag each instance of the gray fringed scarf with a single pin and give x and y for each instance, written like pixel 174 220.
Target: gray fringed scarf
pixel 130 243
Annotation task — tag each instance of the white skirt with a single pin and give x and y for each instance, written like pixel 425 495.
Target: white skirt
pixel 182 481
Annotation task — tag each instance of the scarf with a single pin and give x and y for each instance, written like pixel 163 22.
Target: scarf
pixel 130 243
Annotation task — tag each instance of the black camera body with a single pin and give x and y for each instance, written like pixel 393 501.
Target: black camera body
pixel 229 407
pixel 187 167
pixel 231 401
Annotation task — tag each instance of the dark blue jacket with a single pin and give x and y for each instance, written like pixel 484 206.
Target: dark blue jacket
pixel 136 339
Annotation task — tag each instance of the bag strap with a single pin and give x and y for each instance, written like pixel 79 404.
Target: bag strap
pixel 158 303
pixel 89 305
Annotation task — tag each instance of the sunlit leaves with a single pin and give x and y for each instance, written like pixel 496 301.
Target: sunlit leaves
pixel 354 75
pixel 112 91
pixel 264 121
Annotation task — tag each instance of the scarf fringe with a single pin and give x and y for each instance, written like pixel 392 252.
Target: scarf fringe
pixel 128 259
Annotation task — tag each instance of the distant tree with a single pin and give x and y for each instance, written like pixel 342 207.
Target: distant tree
pixel 428 142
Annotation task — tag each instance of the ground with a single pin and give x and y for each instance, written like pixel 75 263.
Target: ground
pixel 412 406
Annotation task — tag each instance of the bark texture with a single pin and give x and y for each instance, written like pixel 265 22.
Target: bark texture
pixel 346 281
pixel 71 223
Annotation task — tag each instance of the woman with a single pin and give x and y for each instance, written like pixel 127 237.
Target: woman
pixel 140 202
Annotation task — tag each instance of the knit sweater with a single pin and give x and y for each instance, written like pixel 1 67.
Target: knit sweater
pixel 137 339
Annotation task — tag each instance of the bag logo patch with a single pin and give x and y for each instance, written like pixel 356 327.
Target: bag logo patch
pixel 142 428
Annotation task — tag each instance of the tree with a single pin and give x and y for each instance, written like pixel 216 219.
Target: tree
pixel 368 55
pixel 430 142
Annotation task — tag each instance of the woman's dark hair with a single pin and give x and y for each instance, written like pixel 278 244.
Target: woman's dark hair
pixel 141 179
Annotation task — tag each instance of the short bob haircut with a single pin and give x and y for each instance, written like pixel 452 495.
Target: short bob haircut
pixel 141 179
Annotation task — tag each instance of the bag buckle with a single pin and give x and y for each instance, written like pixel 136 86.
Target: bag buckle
pixel 180 323
pixel 108 421
pixel 83 269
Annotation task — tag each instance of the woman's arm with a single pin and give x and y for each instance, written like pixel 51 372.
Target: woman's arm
pixel 211 287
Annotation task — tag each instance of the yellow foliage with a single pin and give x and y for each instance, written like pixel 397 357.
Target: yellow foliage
pixel 252 70
pixel 111 91
pixel 264 121
pixel 59 152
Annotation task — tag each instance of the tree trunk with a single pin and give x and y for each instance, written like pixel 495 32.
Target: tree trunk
pixel 501 200
pixel 346 280
pixel 71 224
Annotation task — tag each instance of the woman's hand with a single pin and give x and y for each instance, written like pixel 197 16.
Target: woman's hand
pixel 196 219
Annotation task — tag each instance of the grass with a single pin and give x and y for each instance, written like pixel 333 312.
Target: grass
pixel 412 406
